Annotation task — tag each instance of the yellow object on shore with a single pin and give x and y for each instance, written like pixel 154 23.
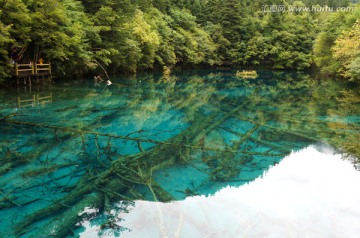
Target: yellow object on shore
pixel 247 74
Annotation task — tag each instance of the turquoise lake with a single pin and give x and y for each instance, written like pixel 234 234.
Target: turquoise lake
pixel 79 145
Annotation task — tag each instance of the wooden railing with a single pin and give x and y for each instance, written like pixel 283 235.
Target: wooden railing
pixel 41 69
pixel 24 69
pixel 32 69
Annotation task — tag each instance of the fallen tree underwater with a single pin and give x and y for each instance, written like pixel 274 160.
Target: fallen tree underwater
pixel 101 174
pixel 125 172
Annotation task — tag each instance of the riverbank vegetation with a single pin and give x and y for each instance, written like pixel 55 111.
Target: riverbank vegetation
pixel 130 36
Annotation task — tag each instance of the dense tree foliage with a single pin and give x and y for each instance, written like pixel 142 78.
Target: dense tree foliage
pixel 336 48
pixel 127 36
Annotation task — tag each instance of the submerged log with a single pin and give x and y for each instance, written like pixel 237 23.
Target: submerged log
pixel 125 172
pixel 128 167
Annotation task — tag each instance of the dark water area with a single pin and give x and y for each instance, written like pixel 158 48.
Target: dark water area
pixel 83 144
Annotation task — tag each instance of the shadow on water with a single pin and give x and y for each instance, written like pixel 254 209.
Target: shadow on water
pixel 156 138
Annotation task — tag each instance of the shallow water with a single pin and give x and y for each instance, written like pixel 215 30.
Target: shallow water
pixel 84 145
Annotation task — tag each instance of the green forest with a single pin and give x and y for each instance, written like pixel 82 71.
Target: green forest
pixel 128 36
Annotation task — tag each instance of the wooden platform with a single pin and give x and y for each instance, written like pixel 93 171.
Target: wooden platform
pixel 31 70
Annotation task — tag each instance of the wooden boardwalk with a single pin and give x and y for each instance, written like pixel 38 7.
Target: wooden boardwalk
pixel 31 70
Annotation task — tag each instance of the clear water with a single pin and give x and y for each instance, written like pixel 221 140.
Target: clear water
pixel 80 145
pixel 310 193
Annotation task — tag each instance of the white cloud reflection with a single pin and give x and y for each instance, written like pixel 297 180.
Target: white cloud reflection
pixel 310 193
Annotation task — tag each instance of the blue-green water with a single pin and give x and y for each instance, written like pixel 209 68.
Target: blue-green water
pixel 80 144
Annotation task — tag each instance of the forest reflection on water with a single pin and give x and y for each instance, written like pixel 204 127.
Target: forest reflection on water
pixel 310 193
pixel 157 139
